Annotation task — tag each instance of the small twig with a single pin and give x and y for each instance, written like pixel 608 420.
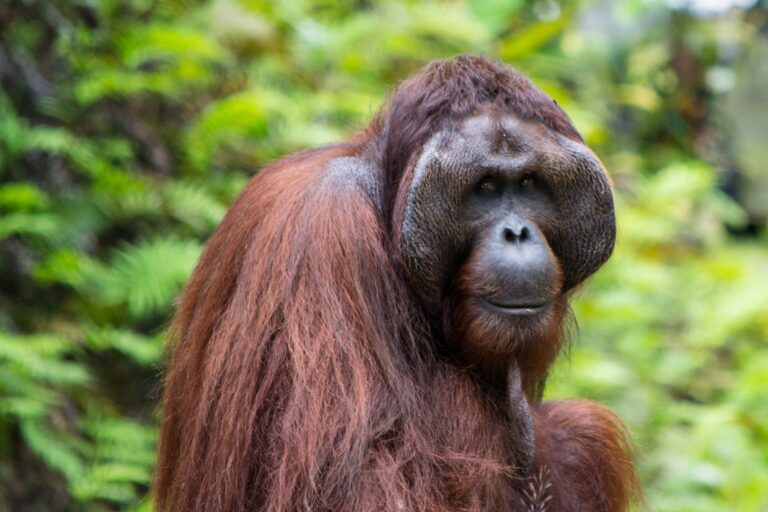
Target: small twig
pixel 536 495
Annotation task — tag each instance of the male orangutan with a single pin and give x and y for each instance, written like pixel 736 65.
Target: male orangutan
pixel 370 327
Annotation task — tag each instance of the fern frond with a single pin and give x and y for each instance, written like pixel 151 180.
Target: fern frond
pixel 193 205
pixel 55 448
pixel 146 277
pixel 123 459
pixel 142 349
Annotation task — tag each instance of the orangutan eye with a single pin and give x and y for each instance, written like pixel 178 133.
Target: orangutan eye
pixel 488 186
pixel 527 182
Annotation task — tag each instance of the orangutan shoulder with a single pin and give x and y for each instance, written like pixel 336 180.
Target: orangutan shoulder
pixel 585 449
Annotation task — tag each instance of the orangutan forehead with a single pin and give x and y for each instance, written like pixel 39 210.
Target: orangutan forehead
pixel 502 134
pixel 500 141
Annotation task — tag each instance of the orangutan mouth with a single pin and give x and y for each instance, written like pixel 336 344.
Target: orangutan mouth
pixel 515 309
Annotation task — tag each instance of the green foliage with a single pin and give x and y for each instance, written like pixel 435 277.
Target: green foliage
pixel 128 127
pixel 145 276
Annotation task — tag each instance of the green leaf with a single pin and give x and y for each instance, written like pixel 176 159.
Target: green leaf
pixel 146 277
pixel 142 349
pixel 53 449
pixel 495 14
pixel 22 196
pixel 233 119
pixel 193 205
pixel 523 44
pixel 38 225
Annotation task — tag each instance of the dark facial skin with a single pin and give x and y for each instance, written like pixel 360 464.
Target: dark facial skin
pixel 510 216
pixel 517 275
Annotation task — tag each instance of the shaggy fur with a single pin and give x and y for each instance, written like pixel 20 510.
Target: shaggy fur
pixel 307 375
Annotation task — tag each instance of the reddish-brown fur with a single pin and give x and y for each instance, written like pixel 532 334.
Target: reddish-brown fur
pixel 306 375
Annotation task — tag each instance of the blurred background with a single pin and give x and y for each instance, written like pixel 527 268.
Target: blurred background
pixel 127 127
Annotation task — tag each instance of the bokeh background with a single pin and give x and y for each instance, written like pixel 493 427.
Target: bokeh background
pixel 128 126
